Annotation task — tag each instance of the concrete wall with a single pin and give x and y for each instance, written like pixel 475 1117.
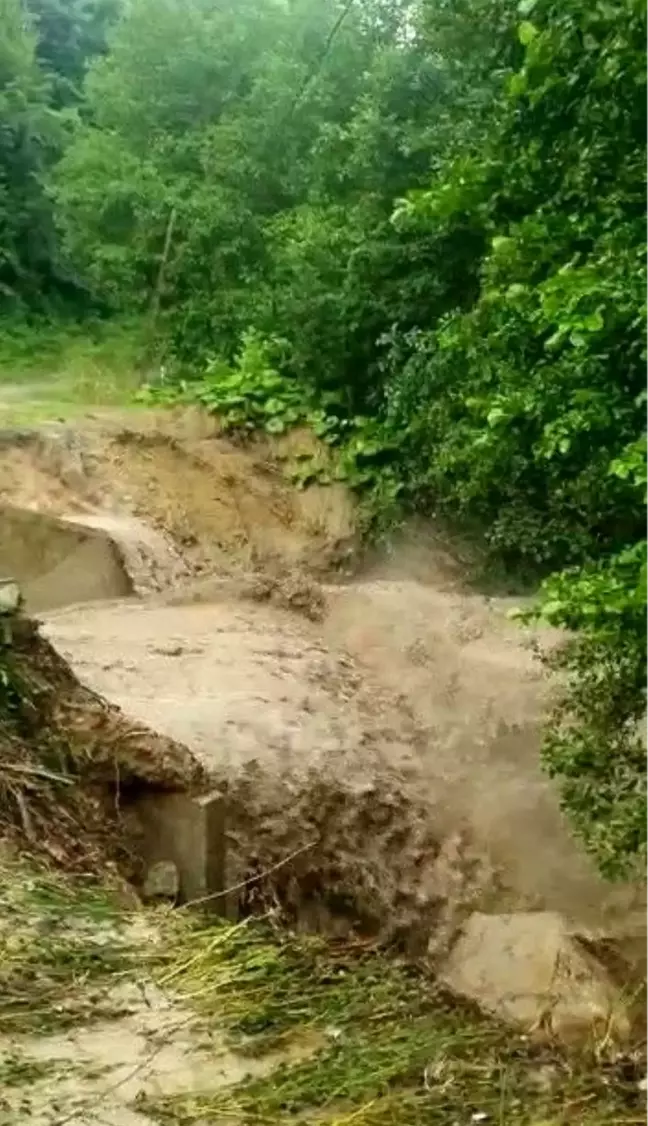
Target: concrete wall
pixel 190 832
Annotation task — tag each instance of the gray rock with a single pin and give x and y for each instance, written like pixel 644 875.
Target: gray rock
pixel 162 881
pixel 530 969
pixel 10 596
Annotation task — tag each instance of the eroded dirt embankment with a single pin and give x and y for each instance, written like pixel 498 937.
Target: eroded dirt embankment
pixel 385 729
pixel 68 758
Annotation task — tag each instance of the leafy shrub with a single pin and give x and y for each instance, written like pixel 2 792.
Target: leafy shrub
pixel 250 394
pixel 595 746
pixel 515 408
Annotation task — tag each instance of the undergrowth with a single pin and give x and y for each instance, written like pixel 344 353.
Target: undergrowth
pixel 61 748
pixel 57 937
pixel 62 943
pixel 595 741
pixel 253 393
pixel 42 803
pixel 393 1048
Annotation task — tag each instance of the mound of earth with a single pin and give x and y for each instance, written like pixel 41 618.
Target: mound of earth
pixel 223 506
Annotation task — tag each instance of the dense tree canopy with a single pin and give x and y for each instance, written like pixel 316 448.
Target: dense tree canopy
pixel 29 135
pixel 267 159
pixel 69 35
pixel 45 49
pixel 419 225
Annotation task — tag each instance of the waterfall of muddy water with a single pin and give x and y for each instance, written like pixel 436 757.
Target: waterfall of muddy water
pixel 422 796
pixel 475 688
pixel 398 736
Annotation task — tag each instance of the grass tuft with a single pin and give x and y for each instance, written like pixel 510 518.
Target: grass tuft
pixel 351 1036
pixel 395 1050
pixel 63 942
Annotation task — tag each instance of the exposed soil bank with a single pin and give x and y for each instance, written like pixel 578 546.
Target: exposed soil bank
pixel 68 759
pixel 225 507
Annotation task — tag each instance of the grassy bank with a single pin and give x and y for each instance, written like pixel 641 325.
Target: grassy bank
pixel 50 369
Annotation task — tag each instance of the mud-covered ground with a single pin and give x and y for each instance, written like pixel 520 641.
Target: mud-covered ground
pixel 386 719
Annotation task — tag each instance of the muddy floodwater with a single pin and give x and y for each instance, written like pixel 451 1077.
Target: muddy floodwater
pixel 386 721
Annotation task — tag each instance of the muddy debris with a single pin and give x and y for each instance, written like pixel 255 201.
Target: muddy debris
pixel 293 591
pixel 530 970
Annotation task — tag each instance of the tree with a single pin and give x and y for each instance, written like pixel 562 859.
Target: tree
pixel 249 122
pixel 524 415
pixel 524 399
pixel 30 134
pixel 70 33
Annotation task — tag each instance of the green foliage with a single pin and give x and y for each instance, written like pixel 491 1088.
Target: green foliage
pixel 30 134
pixel 523 416
pixel 595 743
pixel 516 407
pixel 33 347
pixel 56 368
pixel 363 1040
pixel 44 49
pixel 68 945
pixel 163 140
pixel 279 169
pixel 253 393
pixel 70 34
pixel 336 1032
pixel 250 393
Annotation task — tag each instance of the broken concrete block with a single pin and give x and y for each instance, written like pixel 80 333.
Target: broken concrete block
pixel 10 596
pixel 528 969
pixel 162 881
pixel 188 832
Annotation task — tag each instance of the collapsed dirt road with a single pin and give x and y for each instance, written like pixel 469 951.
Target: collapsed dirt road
pixel 387 725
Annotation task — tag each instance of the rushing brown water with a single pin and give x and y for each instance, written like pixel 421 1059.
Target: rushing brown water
pixel 395 738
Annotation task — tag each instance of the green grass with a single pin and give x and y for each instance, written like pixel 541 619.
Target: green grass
pixel 61 369
pixel 397 1050
pixel 62 944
